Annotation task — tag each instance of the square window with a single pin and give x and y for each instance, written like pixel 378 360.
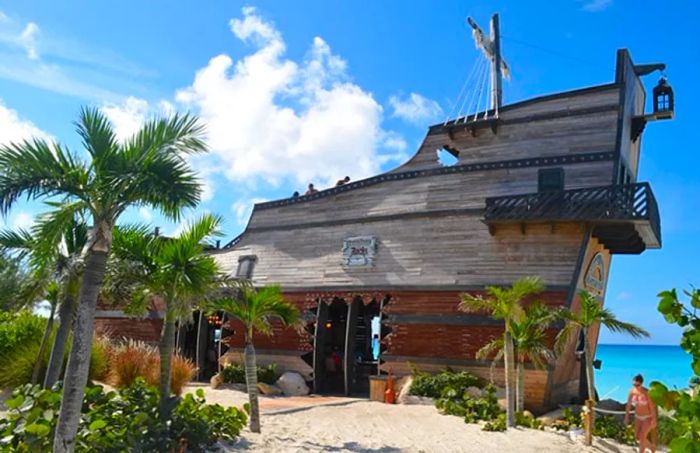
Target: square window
pixel 550 179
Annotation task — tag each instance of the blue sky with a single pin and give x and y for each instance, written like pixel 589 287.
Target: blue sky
pixel 294 92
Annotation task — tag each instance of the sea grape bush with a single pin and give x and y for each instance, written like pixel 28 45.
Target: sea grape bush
pixel 683 404
pixel 457 401
pixel 126 420
pixel 234 373
pixel 433 385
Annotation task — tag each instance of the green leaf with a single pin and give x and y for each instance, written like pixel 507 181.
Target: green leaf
pixel 97 424
pixel 200 393
pixel 681 445
pixel 15 402
pixel 38 429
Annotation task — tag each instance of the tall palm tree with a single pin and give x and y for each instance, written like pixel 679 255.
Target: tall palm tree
pixel 505 304
pixel 255 308
pixel 177 270
pixel 147 169
pixel 590 314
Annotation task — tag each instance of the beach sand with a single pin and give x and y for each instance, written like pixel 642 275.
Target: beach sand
pixel 315 424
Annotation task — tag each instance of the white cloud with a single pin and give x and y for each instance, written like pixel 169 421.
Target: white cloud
pixel 14 129
pixel 146 214
pixel 393 140
pixel 415 108
pixel 594 6
pixel 127 116
pixel 243 208
pixel 28 40
pixel 270 117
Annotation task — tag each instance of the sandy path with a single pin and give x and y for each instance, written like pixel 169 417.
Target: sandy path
pixel 365 426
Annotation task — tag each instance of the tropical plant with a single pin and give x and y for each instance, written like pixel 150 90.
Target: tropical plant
pixel 434 385
pixel 234 373
pixel 13 277
pixel 683 425
pixel 126 420
pixel 147 169
pixel 255 308
pixel 176 270
pixel 19 328
pixel 56 261
pixel 590 314
pixel 505 304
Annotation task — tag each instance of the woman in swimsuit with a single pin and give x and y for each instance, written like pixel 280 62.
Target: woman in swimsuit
pixel 644 414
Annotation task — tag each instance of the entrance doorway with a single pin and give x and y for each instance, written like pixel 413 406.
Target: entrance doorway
pixel 346 346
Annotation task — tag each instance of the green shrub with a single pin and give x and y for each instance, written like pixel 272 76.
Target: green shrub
pixel 528 421
pixel 665 428
pixel 433 385
pixel 17 329
pixel 17 364
pixel 497 424
pixel 234 373
pixel 115 422
pixel 456 401
pixel 611 428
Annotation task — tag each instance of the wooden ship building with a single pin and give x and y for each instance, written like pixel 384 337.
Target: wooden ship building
pixel 544 187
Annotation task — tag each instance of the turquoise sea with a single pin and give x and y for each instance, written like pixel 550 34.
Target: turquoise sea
pixel 668 364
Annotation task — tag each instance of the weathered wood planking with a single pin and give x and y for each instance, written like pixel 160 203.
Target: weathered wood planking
pixel 447 191
pixel 451 251
pixel 577 133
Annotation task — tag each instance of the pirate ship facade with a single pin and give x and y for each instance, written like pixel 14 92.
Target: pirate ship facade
pixel 545 187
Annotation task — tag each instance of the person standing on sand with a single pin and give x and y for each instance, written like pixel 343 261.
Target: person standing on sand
pixel 644 414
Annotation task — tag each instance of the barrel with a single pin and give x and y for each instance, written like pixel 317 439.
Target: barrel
pixel 377 387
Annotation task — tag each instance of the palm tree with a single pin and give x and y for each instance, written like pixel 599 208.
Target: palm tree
pixel 58 264
pixel 590 314
pixel 530 342
pixel 255 308
pixel 505 304
pixel 177 270
pixel 148 169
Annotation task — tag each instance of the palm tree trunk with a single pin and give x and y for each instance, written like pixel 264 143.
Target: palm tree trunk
pixel 509 365
pixel 65 321
pixel 251 380
pixel 78 367
pixel 520 378
pixel 42 347
pixel 167 340
pixel 589 366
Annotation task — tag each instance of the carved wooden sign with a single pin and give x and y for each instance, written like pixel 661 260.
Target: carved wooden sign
pixel 594 280
pixel 359 251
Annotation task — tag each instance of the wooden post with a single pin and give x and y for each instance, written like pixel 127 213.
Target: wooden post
pixel 588 422
pixel 496 75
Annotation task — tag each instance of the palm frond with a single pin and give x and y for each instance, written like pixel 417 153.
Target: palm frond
pixel 97 135
pixel 38 169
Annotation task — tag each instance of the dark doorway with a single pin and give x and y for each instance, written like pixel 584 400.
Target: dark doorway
pixel 200 341
pixel 345 349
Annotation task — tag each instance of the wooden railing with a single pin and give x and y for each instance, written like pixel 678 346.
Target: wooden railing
pixel 610 203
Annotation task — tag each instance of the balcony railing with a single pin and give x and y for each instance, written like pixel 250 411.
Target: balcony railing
pixel 609 204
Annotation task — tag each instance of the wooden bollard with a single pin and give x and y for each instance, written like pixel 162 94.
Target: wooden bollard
pixel 588 422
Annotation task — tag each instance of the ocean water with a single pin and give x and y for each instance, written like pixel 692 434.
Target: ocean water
pixel 668 364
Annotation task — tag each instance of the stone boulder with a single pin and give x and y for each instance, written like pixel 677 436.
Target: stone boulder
pixel 550 418
pixel 292 384
pixel 267 389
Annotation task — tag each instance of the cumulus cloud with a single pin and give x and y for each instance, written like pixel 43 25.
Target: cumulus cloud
pixel 273 118
pixel 146 214
pixel 14 129
pixel 595 6
pixel 127 116
pixel 415 108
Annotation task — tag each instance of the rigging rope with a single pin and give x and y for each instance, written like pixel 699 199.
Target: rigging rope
pixel 461 92
pixel 469 97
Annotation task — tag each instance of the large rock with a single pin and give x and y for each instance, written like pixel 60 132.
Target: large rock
pixel 292 384
pixel 610 405
pixel 267 389
pixel 475 392
pixel 550 418
pixel 216 381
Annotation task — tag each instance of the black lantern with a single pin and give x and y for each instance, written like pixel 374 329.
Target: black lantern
pixel 663 99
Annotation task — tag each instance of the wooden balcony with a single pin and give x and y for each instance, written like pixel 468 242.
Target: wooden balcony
pixel 625 218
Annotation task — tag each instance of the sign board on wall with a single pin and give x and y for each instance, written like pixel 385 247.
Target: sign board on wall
pixel 594 279
pixel 359 251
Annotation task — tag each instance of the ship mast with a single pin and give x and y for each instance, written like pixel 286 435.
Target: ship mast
pixel 491 46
